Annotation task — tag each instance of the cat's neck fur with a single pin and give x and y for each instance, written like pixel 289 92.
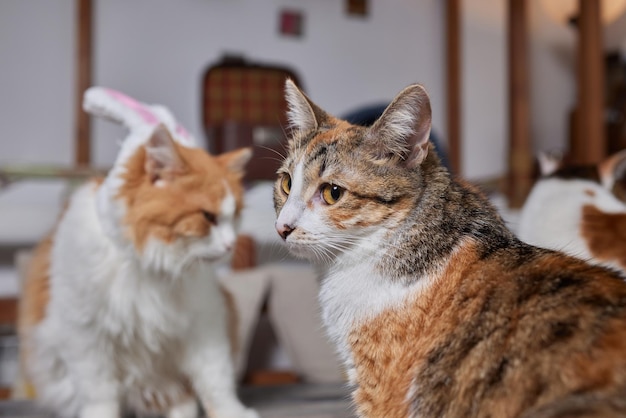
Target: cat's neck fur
pixel 445 213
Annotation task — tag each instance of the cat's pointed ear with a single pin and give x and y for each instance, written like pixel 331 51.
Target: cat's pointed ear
pixel 236 160
pixel 404 127
pixel 302 113
pixel 163 162
pixel 548 163
pixel 613 174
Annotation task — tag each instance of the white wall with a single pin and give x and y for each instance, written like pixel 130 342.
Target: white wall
pixel 553 80
pixel 36 81
pixel 484 89
pixel 157 51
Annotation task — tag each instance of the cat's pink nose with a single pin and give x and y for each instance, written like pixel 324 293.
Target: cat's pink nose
pixel 284 230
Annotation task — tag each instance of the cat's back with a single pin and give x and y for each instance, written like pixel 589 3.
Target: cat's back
pixel 554 330
pixel 499 333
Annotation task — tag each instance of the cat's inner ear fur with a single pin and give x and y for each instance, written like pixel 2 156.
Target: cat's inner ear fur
pixel 236 160
pixel 163 163
pixel 548 163
pixel 302 113
pixel 403 129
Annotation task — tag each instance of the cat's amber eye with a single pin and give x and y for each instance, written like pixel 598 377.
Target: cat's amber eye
pixel 210 217
pixel 285 183
pixel 331 193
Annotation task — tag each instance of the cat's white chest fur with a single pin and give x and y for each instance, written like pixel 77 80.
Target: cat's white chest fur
pixel 355 292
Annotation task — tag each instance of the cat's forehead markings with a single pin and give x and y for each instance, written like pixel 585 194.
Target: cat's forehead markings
pixel 319 141
pixel 320 152
pixel 326 135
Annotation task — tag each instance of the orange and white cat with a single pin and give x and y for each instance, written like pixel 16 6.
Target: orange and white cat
pixel 436 308
pixel 121 309
pixel 579 209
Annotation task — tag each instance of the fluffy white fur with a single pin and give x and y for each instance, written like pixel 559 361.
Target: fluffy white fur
pixel 127 328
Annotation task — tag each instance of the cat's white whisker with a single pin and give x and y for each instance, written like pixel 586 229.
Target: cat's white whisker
pixel 282 157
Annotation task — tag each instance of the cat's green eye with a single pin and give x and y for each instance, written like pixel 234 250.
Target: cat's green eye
pixel 331 193
pixel 285 183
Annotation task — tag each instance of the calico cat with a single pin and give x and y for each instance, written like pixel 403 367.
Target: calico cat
pixel 436 308
pixel 580 210
pixel 121 310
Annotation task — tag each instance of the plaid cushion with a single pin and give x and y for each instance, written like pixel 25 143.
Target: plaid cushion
pixel 252 94
pixel 244 106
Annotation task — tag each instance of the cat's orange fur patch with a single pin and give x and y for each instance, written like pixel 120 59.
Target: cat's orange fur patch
pixel 175 209
pixel 33 304
pixel 36 289
pixel 605 234
pixel 330 135
pixel 409 347
pixel 244 254
pixel 385 363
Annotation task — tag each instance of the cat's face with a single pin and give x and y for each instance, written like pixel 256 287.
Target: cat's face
pixel 181 203
pixel 341 184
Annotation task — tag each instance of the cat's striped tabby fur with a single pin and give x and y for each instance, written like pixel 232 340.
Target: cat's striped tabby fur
pixel 436 308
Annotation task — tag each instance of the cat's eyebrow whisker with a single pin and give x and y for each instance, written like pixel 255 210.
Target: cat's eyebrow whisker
pixel 271 159
pixel 286 135
pixel 274 151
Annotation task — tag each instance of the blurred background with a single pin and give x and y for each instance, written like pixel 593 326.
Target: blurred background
pixel 506 78
pixel 158 51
